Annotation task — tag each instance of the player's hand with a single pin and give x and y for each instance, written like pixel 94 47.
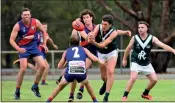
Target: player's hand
pixel 45 48
pixel 174 52
pixel 91 37
pixel 55 46
pixel 128 33
pixel 21 50
pixel 78 19
pixel 101 62
pixel 124 62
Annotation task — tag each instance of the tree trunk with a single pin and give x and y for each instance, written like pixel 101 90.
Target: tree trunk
pixel 160 60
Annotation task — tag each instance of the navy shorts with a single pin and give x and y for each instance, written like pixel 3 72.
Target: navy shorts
pixel 72 77
pixel 43 54
pixel 31 51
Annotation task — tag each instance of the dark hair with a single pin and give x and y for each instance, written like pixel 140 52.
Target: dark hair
pixel 108 18
pixel 44 23
pixel 74 40
pixel 143 22
pixel 85 12
pixel 25 9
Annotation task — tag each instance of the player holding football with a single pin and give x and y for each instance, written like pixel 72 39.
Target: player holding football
pixel 104 38
pixel 75 56
pixel 142 44
pixel 25 30
pixel 87 18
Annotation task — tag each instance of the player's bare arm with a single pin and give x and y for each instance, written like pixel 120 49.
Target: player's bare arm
pixel 13 36
pixel 106 42
pixel 52 43
pixel 92 57
pixel 62 61
pixel 127 51
pixel 157 42
pixel 122 32
pixel 41 28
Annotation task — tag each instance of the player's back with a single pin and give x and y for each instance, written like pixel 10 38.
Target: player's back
pixel 75 57
pixel 75 53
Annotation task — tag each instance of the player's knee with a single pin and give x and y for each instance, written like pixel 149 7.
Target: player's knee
pixel 23 70
pixel 133 79
pixel 110 72
pixel 154 80
pixel 42 67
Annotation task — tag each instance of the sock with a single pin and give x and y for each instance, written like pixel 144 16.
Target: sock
pixel 59 79
pixel 35 85
pixel 146 92
pixel 81 88
pixel 17 88
pixel 94 99
pixel 43 81
pixel 104 84
pixel 106 95
pixel 125 94
pixel 71 95
pixel 49 99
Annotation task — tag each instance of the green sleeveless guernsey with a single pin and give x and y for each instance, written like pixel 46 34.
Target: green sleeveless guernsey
pixel 102 37
pixel 141 50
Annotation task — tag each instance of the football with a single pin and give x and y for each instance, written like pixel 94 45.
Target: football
pixel 77 25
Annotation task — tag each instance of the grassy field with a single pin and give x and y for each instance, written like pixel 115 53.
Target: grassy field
pixel 163 91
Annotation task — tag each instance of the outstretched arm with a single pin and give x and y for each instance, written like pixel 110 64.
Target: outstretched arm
pixel 127 51
pixel 62 61
pixel 52 43
pixel 162 45
pixel 92 57
pixel 122 32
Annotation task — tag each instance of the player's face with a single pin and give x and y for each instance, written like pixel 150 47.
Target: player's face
pixel 105 26
pixel 26 16
pixel 142 29
pixel 87 19
pixel 45 26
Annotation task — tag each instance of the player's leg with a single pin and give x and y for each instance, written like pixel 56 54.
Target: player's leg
pixel 46 70
pixel 41 66
pixel 33 67
pixel 133 76
pixel 103 71
pixel 81 89
pixel 151 75
pixel 131 81
pixel 111 63
pixel 89 89
pixel 72 90
pixel 57 90
pixel 60 77
pixel 20 76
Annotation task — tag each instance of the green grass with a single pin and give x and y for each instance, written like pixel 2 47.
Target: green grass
pixel 163 91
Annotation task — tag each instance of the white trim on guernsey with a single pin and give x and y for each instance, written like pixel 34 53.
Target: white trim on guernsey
pixel 143 45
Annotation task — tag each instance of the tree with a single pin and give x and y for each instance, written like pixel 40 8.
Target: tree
pixel 138 12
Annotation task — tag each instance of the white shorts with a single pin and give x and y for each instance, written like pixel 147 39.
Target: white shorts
pixel 146 70
pixel 105 57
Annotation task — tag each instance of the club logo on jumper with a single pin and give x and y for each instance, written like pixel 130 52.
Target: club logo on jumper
pixel 141 55
pixel 24 29
pixel 33 27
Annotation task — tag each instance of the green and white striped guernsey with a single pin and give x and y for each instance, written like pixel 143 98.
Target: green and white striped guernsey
pixel 141 50
pixel 102 37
